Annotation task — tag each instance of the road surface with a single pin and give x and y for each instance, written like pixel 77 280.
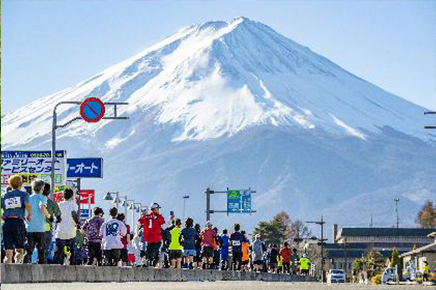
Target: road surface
pixel 203 286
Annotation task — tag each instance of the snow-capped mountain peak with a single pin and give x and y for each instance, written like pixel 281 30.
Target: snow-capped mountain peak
pixel 218 78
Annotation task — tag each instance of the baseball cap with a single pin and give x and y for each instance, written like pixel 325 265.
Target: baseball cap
pixel 154 205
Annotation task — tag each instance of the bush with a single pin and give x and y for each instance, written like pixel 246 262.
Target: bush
pixel 377 279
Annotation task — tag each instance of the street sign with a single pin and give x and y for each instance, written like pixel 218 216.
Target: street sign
pixel 246 201
pixel 233 201
pixel 86 194
pixel 85 213
pixel 92 110
pixel 239 201
pixel 32 164
pixel 84 167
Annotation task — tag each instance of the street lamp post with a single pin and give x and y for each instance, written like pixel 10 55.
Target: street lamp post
pixel 322 240
pixel 184 205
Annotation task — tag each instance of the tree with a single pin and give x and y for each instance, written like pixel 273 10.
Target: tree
pixel 427 215
pixel 299 231
pixel 270 231
pixel 395 260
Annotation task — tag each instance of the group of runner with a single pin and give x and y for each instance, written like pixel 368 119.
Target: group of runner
pixel 29 223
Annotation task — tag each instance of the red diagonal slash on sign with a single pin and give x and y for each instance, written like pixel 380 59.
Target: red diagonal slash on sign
pixel 85 104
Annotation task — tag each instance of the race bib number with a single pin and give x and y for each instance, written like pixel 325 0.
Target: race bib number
pixel 13 202
pixel 236 243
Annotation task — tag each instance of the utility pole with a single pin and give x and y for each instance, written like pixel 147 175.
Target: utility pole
pixel 322 240
pixel 185 197
pixel 397 200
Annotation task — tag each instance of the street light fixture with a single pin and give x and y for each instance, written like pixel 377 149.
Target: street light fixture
pixel 185 197
pixel 110 197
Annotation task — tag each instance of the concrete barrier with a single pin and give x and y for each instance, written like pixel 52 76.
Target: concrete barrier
pixel 60 274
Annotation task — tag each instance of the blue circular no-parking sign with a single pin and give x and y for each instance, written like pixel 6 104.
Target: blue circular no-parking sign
pixel 92 110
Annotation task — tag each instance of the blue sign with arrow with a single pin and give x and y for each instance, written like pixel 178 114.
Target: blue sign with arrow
pixel 84 167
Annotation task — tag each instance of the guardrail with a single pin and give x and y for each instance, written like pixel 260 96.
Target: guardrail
pixel 12 274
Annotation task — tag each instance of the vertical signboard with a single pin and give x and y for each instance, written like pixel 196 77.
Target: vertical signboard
pixel 233 201
pixel 246 201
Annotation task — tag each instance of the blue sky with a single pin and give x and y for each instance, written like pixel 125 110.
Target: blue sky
pixel 50 45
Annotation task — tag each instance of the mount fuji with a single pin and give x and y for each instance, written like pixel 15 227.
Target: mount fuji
pixel 236 104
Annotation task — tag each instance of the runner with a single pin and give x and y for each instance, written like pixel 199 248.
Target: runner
pixel 112 232
pixel 54 211
pixel 208 237
pixel 258 249
pixel 197 259
pixel 224 242
pixel 188 237
pixel 91 229
pixel 245 252
pixel 152 224
pixel 14 205
pixel 125 239
pixel 37 226
pixel 285 253
pixel 273 258
pixel 175 248
pixel 295 258
pixel 236 239
pixel 66 231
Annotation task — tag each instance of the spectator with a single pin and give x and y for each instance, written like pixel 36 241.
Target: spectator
pixel 91 229
pixel 208 237
pixel 188 237
pixel 285 253
pixel 224 242
pixel 125 239
pixel 175 248
pixel 14 205
pixel 112 232
pixel 37 226
pixel 236 239
pixel 66 232
pixel 55 212
pixel 152 224
pixel 258 249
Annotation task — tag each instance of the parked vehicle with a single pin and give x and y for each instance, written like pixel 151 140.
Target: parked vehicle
pixel 389 275
pixel 336 276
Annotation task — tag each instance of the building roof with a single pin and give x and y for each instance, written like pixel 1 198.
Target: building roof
pixel 427 248
pixel 353 254
pixel 384 232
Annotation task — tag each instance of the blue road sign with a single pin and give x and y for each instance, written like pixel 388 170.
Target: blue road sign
pixel 246 201
pixel 239 201
pixel 84 213
pixel 233 201
pixel 84 167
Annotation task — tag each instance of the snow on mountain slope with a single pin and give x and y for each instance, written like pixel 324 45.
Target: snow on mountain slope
pixel 219 78
pixel 235 104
